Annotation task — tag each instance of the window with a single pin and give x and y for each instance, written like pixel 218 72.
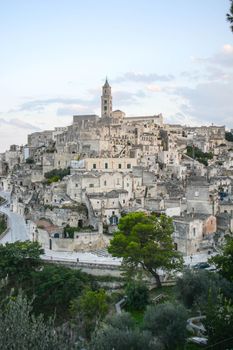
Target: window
pixel 94 166
pixel 119 166
pixel 105 183
pixel 128 166
pixel 105 108
pixel 91 185
pixel 113 219
pixel 76 185
pixel 105 102
pixel 194 231
pixel 106 165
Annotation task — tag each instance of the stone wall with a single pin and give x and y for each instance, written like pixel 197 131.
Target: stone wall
pixel 83 242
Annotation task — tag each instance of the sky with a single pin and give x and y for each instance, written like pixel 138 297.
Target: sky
pixel 173 57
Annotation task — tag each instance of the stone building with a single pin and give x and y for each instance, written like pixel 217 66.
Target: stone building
pixel 42 138
pixel 190 231
pixel 201 196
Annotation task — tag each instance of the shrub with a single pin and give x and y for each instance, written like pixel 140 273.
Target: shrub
pixel 194 287
pixel 137 295
pixel 20 329
pixel 120 333
pixel 168 323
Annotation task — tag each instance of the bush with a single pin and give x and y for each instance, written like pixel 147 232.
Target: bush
pixel 56 174
pixel 54 287
pixel 30 161
pixel 194 287
pixel 168 323
pixel 120 333
pixel 20 329
pixel 219 323
pixel 191 286
pixel 137 295
pixel 201 157
pixel 3 224
pixel 89 309
pixel 224 261
pixel 229 136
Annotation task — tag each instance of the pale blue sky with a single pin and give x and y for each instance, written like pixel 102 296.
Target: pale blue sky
pixel 173 57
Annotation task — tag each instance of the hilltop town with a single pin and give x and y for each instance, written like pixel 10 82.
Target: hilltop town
pixel 74 183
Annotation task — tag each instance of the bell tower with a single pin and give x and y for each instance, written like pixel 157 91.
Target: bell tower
pixel 106 100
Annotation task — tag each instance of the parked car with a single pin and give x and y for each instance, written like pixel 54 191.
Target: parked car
pixel 204 266
pixel 198 340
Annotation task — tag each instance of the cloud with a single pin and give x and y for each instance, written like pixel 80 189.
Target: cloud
pixel 223 58
pixel 72 110
pixel 191 75
pixel 127 97
pixel 208 102
pixel 14 131
pixel 19 124
pixel 39 105
pixel 183 119
pixel 154 88
pixel 143 78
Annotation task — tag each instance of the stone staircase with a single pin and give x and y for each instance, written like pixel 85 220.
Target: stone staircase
pixel 102 252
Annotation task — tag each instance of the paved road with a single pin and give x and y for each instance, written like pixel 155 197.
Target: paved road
pixel 18 230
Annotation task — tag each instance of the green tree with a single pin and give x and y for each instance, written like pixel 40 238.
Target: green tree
pixel 224 261
pixel 146 241
pixel 56 175
pixel 3 224
pixel 30 160
pixel 194 287
pixel 229 136
pixel 21 330
pixel 120 333
pixel 230 15
pixel 219 322
pixel 196 153
pixel 18 259
pixel 90 308
pixel 53 289
pixel 137 295
pixel 168 323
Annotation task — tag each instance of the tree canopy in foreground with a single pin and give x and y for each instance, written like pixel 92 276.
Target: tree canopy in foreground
pixel 230 15
pixel 146 241
pixel 224 261
pixel 19 258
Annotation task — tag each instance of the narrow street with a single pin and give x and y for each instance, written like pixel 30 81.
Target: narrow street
pixel 18 230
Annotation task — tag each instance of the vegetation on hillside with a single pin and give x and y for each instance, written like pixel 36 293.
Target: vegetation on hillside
pixel 229 136
pixel 3 224
pixel 60 308
pixel 2 200
pixel 30 160
pixel 56 175
pixel 201 157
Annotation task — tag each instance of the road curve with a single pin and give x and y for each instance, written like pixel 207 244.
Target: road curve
pixel 18 230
